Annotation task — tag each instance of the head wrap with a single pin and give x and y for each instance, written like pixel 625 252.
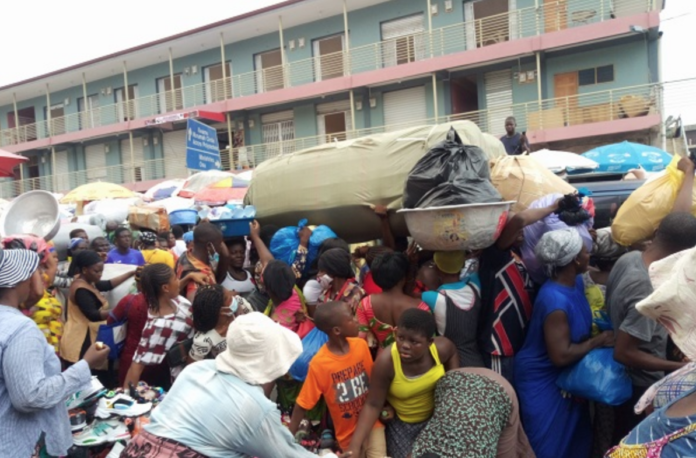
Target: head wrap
pixel 259 350
pixel 558 249
pixel 16 266
pixel 75 242
pixel 28 242
pixel 188 237
pixel 279 279
pixel 85 259
pixel 450 262
pixel 337 263
pixel 148 238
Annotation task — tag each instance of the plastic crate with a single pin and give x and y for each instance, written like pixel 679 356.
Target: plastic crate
pixel 183 217
pixel 234 227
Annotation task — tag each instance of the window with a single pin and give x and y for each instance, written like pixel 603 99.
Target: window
pixel 598 75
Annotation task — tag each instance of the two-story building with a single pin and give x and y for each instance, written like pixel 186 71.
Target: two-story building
pixel 574 73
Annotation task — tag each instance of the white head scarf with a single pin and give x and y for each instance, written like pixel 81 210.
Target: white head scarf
pixel 259 350
pixel 558 249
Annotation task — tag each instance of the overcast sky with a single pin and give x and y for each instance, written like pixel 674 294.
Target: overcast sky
pixel 45 35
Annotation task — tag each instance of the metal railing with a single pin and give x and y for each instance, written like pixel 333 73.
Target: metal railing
pixel 525 22
pixel 594 107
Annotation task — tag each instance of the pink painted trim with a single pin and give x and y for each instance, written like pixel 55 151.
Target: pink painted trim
pixel 594 129
pixel 524 46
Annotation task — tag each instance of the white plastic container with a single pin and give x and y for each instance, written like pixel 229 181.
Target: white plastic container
pixel 457 227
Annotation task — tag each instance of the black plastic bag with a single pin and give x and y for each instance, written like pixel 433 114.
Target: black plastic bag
pixel 451 173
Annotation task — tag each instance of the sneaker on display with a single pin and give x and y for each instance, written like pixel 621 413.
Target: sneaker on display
pixel 122 405
pixel 101 432
pixel 89 393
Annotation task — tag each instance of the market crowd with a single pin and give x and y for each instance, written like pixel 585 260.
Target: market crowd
pixel 367 351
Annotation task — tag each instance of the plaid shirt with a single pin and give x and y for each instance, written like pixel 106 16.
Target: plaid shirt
pixel 162 332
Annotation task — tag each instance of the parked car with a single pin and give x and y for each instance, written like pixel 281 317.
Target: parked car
pixel 609 192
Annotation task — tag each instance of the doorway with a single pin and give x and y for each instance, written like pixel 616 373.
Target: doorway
pixel 269 71
pixel 464 97
pixel 27 120
pixel 555 15
pixel 328 54
pixel 565 91
pixel 170 95
pixel 57 124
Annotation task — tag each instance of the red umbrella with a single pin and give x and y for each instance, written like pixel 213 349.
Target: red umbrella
pixel 221 192
pixel 8 162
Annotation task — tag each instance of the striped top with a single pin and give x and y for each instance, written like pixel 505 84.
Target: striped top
pixel 32 388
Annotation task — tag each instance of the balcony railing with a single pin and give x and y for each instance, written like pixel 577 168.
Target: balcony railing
pixel 595 107
pixel 521 23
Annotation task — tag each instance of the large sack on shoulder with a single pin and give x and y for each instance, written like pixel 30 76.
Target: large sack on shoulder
pixel 331 184
pixel 524 180
pixel 641 214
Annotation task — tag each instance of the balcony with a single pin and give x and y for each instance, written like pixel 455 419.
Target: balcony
pixel 584 116
pixel 465 36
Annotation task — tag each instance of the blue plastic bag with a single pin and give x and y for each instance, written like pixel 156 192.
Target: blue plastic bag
pixel 285 242
pixel 597 377
pixel 311 344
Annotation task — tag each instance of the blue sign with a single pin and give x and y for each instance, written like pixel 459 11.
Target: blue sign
pixel 202 148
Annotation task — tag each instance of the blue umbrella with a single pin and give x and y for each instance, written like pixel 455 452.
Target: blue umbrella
pixel 624 156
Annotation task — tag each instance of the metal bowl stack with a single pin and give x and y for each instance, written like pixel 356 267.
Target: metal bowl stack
pixel 34 212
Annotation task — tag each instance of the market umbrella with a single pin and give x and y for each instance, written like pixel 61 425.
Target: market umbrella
pixel 624 156
pixel 8 162
pixel 97 191
pixel 220 193
pixel 558 161
pixel 200 180
pixel 165 189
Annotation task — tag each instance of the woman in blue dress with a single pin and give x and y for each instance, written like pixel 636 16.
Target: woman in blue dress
pixel 558 336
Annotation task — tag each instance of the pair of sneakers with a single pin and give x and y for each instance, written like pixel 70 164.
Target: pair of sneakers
pixel 87 394
pixel 122 405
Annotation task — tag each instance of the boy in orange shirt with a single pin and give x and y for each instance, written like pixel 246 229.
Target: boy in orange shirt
pixel 340 372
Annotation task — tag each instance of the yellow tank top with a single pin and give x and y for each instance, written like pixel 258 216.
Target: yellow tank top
pixel 412 398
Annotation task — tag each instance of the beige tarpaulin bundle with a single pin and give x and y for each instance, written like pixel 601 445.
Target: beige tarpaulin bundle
pixel 672 302
pixel 524 180
pixel 332 184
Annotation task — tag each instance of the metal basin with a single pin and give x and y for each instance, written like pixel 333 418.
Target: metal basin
pixel 457 227
pixel 34 212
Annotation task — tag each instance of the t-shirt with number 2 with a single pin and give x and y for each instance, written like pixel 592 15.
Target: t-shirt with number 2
pixel 344 383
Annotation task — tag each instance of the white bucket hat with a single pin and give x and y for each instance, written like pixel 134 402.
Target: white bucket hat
pixel 259 350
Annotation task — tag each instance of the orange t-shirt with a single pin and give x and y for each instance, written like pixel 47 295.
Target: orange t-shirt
pixel 344 383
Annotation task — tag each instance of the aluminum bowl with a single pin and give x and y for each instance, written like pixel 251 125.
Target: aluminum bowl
pixel 34 212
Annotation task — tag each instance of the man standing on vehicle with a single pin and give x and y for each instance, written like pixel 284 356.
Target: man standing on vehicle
pixel 515 144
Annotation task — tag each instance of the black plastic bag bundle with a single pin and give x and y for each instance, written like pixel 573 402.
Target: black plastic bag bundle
pixel 451 173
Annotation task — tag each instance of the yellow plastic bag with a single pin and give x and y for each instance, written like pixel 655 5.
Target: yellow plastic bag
pixel 641 214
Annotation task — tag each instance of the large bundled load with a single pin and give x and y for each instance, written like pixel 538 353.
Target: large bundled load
pixel 333 184
pixel 641 214
pixel 151 218
pixel 524 180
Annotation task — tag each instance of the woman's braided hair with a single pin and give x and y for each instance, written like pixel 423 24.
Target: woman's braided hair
pixel 206 307
pixel 152 279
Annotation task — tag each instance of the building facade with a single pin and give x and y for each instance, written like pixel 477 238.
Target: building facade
pixel 574 73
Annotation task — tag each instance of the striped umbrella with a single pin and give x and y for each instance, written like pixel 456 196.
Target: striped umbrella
pixel 223 191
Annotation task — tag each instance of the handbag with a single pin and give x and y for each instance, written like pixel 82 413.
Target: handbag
pixel 114 335
pixel 178 354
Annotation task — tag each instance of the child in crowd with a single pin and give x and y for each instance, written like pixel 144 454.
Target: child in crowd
pixel 214 308
pixel 340 372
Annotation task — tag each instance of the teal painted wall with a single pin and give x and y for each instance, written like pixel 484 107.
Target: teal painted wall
pixel 630 66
